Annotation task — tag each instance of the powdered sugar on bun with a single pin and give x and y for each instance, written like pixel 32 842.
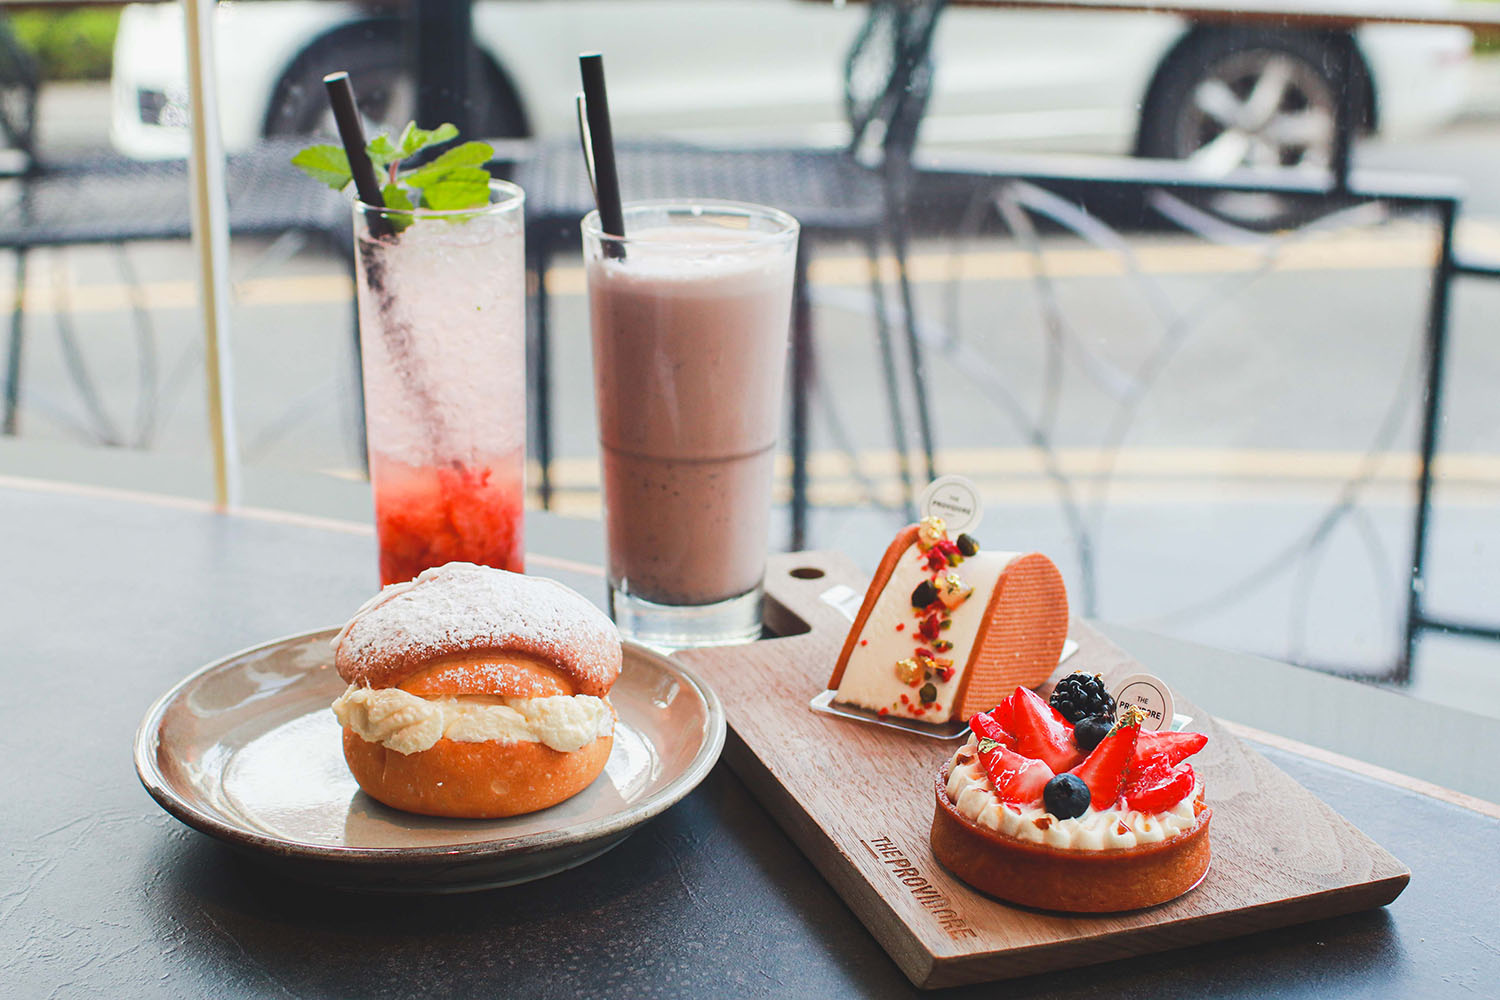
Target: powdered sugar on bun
pixel 463 608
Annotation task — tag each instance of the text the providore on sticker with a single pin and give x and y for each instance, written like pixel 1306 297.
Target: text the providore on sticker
pixel 1148 693
pixel 956 500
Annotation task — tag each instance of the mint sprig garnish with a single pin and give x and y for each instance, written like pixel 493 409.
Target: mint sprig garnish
pixel 461 187
pixel 326 163
pixel 454 181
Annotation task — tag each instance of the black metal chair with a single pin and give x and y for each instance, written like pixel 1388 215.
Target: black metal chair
pixel 110 199
pixel 856 192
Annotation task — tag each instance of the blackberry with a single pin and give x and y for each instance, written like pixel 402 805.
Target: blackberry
pixel 1090 732
pixel 1082 696
pixel 1066 796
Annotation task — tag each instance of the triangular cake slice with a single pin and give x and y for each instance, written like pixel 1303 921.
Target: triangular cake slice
pixel 947 630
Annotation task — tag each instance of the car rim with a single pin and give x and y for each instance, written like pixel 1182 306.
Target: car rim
pixel 1261 108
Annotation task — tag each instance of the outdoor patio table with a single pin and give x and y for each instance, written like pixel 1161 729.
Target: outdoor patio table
pixel 111 598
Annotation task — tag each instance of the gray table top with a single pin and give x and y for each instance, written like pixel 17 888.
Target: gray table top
pixel 109 601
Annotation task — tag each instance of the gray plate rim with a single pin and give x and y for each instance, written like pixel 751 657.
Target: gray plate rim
pixel 155 783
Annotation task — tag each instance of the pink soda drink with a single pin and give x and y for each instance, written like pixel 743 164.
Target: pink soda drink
pixel 442 340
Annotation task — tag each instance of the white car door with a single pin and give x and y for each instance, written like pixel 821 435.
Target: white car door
pixel 1008 78
pixel 772 70
pixel 726 70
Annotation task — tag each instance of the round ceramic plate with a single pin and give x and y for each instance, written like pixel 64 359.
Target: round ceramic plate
pixel 247 751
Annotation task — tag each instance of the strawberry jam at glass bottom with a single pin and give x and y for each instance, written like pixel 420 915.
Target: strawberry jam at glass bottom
pixel 426 516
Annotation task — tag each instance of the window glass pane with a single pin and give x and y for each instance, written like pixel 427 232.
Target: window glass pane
pixel 1199 389
pixel 103 351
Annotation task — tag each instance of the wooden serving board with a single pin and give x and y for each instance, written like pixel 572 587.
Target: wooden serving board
pixel 858 801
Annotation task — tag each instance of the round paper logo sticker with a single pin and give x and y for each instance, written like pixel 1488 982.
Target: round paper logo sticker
pixel 956 500
pixel 1151 695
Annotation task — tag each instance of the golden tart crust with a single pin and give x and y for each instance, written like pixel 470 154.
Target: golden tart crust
pixel 1051 878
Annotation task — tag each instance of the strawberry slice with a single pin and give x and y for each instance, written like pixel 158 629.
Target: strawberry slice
pixel 1005 714
pixel 1041 732
pixel 1159 786
pixel 1022 780
pixel 1104 768
pixel 987 727
pixel 1174 748
pixel 1016 778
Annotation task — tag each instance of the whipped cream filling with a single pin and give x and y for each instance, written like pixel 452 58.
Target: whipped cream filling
pixel 970 791
pixel 870 679
pixel 409 724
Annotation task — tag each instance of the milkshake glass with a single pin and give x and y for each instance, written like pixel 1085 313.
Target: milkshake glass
pixel 442 344
pixel 690 314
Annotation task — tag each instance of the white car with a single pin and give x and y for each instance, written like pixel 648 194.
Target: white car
pixel 745 71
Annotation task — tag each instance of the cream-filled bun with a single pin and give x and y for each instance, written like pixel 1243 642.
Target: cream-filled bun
pixel 476 692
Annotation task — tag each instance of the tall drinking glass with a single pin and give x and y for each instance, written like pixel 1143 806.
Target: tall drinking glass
pixel 690 313
pixel 442 339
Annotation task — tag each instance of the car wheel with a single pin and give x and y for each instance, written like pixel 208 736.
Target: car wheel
pixel 1245 98
pixel 374 55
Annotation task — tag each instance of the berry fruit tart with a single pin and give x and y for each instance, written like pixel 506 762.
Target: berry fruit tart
pixel 1041 810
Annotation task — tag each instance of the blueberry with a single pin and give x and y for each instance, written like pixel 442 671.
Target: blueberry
pixel 1066 796
pixel 967 545
pixel 924 595
pixel 1088 732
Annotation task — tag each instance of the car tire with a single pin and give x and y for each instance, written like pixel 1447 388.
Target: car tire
pixel 1248 97
pixel 373 52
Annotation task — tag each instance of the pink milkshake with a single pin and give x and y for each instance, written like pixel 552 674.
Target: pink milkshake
pixel 690 341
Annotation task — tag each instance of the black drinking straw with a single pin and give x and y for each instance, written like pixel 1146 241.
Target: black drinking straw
pixel 602 141
pixel 352 134
pixel 397 333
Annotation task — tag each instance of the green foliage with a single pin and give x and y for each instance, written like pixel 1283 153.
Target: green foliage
pixel 69 45
pixel 324 162
pixel 466 187
pixel 384 152
pixel 470 154
pixel 1486 42
pixel 395 196
pixel 455 180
